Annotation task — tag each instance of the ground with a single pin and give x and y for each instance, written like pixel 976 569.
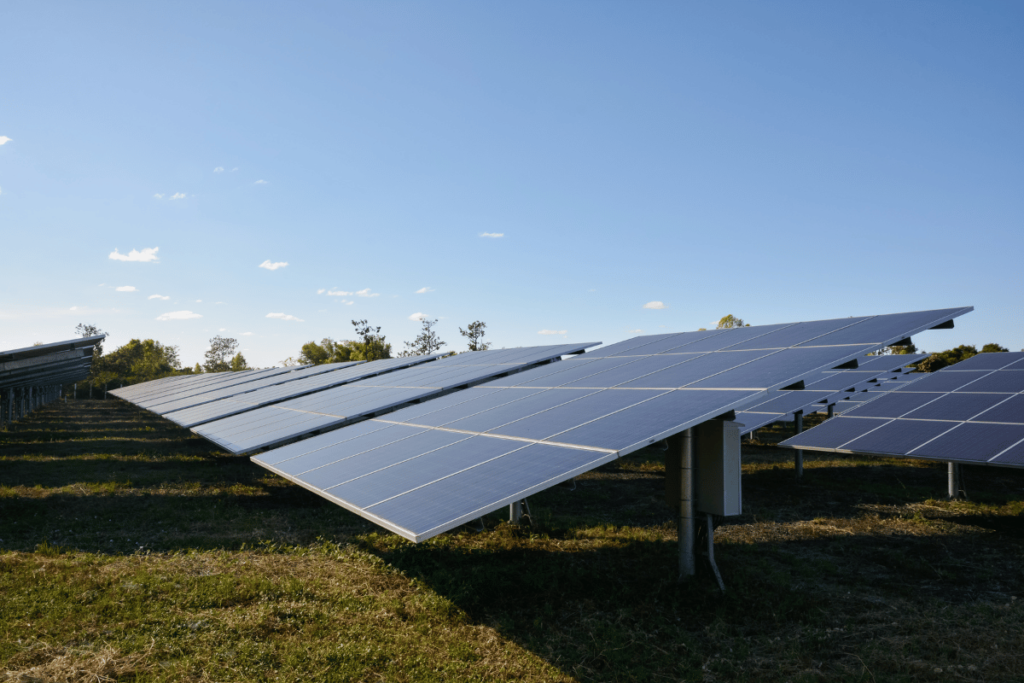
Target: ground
pixel 132 550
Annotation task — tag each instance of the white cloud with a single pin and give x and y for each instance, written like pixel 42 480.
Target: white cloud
pixel 223 329
pixel 284 316
pixel 260 182
pixel 199 301
pixel 553 332
pixel 492 234
pixel 338 292
pixel 247 334
pixel 634 331
pixel 273 266
pixel 179 315
pixel 366 292
pixel 74 308
pixel 424 290
pixel 655 305
pixel 158 195
pixel 320 291
pixel 4 140
pixel 126 288
pixel 234 169
pixel 144 256
pixel 159 296
pixel 418 316
pixel 178 195
pixel 219 169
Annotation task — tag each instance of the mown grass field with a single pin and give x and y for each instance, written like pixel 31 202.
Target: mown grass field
pixel 133 550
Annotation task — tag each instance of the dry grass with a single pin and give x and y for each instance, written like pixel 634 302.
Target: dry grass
pixel 131 550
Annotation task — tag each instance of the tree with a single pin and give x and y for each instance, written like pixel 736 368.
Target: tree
pixel 475 335
pixel 426 343
pixel 327 351
pixel 83 330
pixel 371 345
pixel 730 321
pixel 942 359
pixel 197 370
pixel 136 361
pixel 994 348
pixel 238 363
pixel 896 350
pixel 217 358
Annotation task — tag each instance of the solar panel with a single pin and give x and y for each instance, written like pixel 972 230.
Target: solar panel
pixel 33 376
pixel 427 468
pixel 271 425
pixel 267 395
pixel 971 412
pixel 221 380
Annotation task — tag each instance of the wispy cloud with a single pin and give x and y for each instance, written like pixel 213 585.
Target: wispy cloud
pixel 234 169
pixel 492 234
pixel 634 331
pixel 338 292
pixel 260 182
pixel 159 195
pixel 273 266
pixel 144 256
pixel 366 292
pixel 553 332
pixel 159 296
pixel 219 169
pixel 247 334
pixel 655 305
pixel 4 140
pixel 418 316
pixel 320 291
pixel 178 195
pixel 126 288
pixel 285 316
pixel 424 290
pixel 223 329
pixel 74 308
pixel 178 315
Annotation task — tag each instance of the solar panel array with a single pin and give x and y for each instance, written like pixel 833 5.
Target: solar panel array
pixel 428 468
pixel 299 386
pixel 34 375
pixel 827 388
pixel 971 412
pixel 271 425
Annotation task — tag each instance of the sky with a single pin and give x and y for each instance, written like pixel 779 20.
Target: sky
pixel 570 171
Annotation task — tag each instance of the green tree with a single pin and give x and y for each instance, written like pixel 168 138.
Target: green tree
pixel 730 321
pixel 327 351
pixel 197 370
pixel 426 342
pixel 371 345
pixel 994 348
pixel 137 361
pixel 238 363
pixel 475 334
pixel 219 355
pixel 943 359
pixel 896 350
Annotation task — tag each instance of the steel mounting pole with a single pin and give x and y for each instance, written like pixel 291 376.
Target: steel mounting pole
pixel 798 420
pixel 687 528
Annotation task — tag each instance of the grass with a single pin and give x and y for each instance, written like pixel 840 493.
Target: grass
pixel 133 550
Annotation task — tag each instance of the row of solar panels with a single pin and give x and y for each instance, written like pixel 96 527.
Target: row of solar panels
pixel 971 412
pixel 33 376
pixel 425 444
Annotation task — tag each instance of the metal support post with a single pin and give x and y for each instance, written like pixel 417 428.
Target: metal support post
pixel 686 527
pixel 831 410
pixel 798 420
pixel 515 512
pixel 954 481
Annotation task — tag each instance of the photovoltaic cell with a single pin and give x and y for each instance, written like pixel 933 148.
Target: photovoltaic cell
pixel 898 437
pixel 971 441
pixel 1010 410
pixel 988 361
pixel 957 407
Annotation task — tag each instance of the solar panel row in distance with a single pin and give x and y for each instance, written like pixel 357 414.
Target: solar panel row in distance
pixel 300 386
pixel 971 412
pixel 430 467
pixel 274 424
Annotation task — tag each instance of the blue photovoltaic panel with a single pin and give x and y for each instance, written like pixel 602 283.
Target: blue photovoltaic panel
pixel 300 386
pixel 1011 457
pixel 275 424
pixel 968 413
pixel 506 438
pixel 237 388
pixel 228 379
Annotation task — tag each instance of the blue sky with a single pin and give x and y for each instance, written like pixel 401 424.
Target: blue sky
pixel 776 161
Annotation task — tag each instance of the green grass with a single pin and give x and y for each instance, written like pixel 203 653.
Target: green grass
pixel 133 550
